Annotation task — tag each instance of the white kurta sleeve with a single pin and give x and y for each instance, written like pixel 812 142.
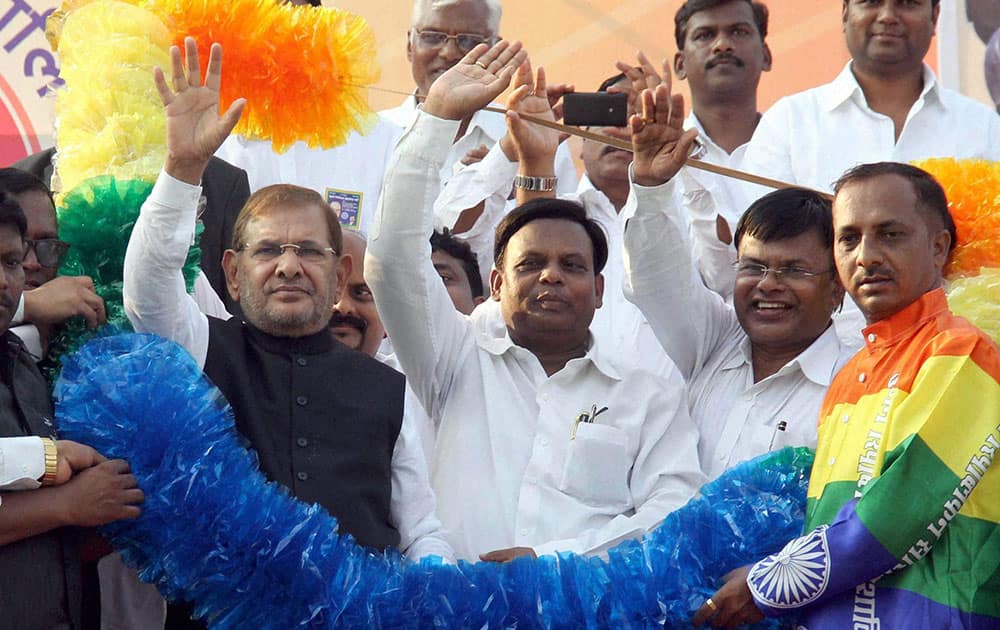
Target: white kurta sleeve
pixel 661 280
pixel 429 336
pixel 154 294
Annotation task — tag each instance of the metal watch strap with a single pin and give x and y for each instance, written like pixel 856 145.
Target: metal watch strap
pixel 51 462
pixel 539 184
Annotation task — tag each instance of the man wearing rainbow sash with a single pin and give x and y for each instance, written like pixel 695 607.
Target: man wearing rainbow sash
pixel 903 515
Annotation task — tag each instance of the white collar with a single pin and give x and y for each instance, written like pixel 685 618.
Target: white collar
pixel 846 86
pixel 500 345
pixel 818 363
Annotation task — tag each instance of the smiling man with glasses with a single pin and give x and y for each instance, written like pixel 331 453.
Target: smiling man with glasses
pixel 757 370
pixel 48 299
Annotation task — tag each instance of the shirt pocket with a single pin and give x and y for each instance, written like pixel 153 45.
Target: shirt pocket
pixel 597 466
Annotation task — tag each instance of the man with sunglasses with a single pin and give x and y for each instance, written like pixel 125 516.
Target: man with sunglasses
pixel 48 299
pixel 756 371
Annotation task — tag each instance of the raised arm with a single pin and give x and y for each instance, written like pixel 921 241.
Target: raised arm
pixel 687 318
pixel 427 333
pixel 154 293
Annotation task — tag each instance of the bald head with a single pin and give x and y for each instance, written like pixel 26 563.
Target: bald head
pixel 422 8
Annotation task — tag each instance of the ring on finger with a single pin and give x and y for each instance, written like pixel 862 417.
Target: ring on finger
pixel 712 606
pixel 482 65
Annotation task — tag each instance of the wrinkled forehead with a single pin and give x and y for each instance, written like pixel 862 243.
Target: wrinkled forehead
pixel 290 223
pixel 457 16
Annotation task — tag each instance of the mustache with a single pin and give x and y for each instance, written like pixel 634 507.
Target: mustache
pixel 716 60
pixel 871 273
pixel 348 320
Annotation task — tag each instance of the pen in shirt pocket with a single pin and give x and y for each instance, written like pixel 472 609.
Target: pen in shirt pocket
pixel 586 417
pixel 781 426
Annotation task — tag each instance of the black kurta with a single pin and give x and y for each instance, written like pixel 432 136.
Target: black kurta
pixel 323 419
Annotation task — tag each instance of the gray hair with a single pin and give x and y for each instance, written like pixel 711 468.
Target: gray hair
pixel 421 6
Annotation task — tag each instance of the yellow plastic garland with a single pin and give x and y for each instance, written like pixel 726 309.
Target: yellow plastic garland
pixel 109 116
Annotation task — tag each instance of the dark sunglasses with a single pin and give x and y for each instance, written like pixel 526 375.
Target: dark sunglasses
pixel 48 251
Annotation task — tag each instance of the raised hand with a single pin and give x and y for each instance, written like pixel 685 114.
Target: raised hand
pixel 531 142
pixel 660 145
pixel 195 130
pixel 475 81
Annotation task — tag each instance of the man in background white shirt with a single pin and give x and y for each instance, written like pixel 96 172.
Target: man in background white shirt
pixel 544 444
pixel 886 105
pixel 441 33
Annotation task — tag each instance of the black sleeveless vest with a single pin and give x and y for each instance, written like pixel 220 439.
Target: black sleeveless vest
pixel 39 576
pixel 323 419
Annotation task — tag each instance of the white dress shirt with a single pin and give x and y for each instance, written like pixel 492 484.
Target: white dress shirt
pixel 156 301
pixel 813 137
pixel 350 174
pixel 509 470
pixel 22 463
pixel 737 418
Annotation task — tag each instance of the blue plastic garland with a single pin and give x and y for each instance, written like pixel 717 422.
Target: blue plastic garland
pixel 248 555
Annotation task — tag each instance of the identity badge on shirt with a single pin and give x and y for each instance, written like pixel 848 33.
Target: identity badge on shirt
pixel 347 205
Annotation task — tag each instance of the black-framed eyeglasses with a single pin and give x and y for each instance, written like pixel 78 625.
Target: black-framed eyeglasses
pixel 48 251
pixel 437 39
pixel 307 251
pixel 757 272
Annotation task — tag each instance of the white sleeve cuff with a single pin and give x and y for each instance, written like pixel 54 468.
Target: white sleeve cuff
pixel 22 463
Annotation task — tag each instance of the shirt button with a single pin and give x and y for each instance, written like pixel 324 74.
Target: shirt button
pixel 301 361
pixel 833 460
pixel 862 377
pixel 524 531
pixel 302 476
pixel 544 441
pixel 302 442
pixel 302 400
pixel 871 337
pixel 845 418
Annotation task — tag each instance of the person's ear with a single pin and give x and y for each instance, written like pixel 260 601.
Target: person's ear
pixel 409 46
pixel 768 60
pixel 230 266
pixel 599 289
pixel 344 267
pixel 679 66
pixel 941 248
pixel 496 280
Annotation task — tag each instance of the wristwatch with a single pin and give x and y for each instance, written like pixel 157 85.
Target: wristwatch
pixel 538 184
pixel 51 462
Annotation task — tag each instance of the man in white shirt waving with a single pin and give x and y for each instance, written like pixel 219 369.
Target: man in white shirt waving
pixel 757 370
pixel 544 444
